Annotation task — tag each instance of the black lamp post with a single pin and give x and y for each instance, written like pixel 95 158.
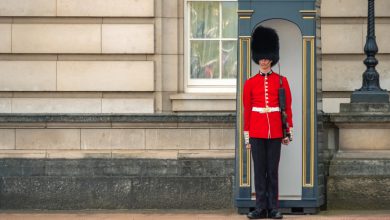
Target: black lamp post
pixel 370 92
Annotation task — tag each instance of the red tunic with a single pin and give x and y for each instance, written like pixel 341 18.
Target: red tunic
pixel 262 91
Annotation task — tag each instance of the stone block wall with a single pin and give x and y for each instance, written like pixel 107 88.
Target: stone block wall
pixel 116 161
pixel 96 57
pixel 102 58
pixel 82 56
pixel 343 35
pixel 77 136
pixel 78 56
pixel 86 113
pixel 117 138
pixel 359 180
pixel 60 51
pixel 179 181
pixel 352 146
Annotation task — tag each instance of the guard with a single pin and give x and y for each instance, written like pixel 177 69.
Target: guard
pixel 267 121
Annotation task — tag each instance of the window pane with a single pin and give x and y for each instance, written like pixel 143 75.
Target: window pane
pixel 204 19
pixel 229 59
pixel 204 59
pixel 229 19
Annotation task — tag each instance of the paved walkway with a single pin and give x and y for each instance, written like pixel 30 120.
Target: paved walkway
pixel 179 215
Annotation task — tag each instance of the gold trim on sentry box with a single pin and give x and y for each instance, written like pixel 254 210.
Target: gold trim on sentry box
pixel 306 40
pixel 308 14
pixel 247 183
pixel 245 14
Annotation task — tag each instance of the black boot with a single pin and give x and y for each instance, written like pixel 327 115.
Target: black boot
pixel 275 214
pixel 257 214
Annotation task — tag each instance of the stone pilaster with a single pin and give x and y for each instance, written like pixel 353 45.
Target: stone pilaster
pixel 358 172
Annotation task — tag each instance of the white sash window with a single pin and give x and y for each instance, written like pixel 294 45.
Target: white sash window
pixel 211 45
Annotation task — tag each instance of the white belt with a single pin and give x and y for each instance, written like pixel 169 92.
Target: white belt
pixel 266 109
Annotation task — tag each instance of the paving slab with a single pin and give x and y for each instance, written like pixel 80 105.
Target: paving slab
pixel 181 215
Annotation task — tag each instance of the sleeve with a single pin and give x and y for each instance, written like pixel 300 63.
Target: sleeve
pixel 288 103
pixel 247 105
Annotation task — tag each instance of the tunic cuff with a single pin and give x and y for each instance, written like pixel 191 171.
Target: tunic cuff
pixel 291 132
pixel 246 137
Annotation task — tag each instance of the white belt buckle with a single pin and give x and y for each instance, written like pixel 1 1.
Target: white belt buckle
pixel 267 109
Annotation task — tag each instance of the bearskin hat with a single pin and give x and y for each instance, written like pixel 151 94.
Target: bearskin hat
pixel 265 45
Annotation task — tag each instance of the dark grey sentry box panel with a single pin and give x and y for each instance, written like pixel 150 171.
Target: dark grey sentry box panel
pixel 295 22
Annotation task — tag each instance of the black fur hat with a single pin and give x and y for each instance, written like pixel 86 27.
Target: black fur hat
pixel 265 45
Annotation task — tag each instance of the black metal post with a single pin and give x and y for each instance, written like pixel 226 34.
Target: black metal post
pixel 370 91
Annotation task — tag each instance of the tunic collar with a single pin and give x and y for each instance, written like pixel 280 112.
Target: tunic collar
pixel 265 74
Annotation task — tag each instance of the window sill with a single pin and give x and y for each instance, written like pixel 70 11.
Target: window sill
pixel 203 102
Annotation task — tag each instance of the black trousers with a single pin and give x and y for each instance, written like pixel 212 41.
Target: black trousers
pixel 266 156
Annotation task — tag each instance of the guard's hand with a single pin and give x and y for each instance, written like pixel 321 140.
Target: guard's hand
pixel 248 146
pixel 286 141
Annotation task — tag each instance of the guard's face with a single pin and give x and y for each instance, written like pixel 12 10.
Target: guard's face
pixel 265 63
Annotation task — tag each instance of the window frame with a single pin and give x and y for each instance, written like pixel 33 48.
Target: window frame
pixel 204 85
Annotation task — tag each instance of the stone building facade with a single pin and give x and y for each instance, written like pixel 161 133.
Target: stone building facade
pixel 97 105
